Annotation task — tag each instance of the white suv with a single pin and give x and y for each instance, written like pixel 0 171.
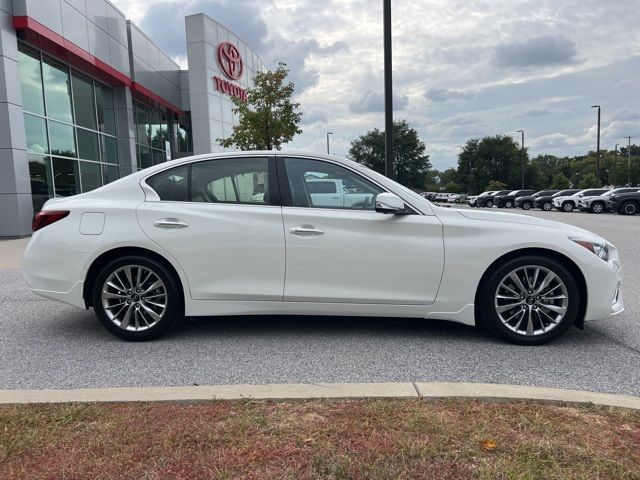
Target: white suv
pixel 568 203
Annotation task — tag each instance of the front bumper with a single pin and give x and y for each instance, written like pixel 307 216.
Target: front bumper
pixel 604 290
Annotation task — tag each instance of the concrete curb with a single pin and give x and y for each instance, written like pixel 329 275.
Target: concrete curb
pixel 429 391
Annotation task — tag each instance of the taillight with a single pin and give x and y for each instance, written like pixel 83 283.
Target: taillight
pixel 47 217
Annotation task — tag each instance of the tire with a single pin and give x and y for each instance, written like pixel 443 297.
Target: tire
pixel 489 204
pixel 526 205
pixel 520 330
pixel 628 208
pixel 597 207
pixel 547 206
pixel 567 207
pixel 508 204
pixel 148 318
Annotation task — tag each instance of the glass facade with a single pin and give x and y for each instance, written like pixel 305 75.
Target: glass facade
pixel 152 131
pixel 70 128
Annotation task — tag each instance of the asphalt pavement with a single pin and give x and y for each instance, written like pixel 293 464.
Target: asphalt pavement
pixel 44 344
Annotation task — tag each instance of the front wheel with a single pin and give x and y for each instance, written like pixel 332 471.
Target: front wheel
pixel 526 205
pixel 628 208
pixel 529 300
pixel 547 206
pixel 489 204
pixel 508 204
pixel 137 298
pixel 567 207
pixel 597 207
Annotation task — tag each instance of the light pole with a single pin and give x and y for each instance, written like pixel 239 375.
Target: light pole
pixel 328 133
pixel 522 157
pixel 615 157
pixel 598 147
pixel 388 91
pixel 629 161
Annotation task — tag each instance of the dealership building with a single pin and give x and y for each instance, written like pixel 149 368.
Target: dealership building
pixel 86 98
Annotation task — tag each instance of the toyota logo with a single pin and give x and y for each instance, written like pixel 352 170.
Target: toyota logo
pixel 230 60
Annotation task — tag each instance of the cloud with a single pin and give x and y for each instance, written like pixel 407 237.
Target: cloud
pixel 439 94
pixel 537 51
pixel 373 101
pixel 537 112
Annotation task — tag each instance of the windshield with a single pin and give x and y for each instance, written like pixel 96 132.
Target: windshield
pixel 562 193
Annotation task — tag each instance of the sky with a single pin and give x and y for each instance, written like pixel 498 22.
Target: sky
pixel 461 68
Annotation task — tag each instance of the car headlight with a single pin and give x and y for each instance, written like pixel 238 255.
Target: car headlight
pixel 600 250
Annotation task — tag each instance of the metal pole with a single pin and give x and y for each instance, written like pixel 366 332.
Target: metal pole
pixel 629 163
pixel 328 133
pixel 388 92
pixel 598 147
pixel 522 157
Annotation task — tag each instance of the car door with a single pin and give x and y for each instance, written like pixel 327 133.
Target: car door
pixel 221 220
pixel 352 254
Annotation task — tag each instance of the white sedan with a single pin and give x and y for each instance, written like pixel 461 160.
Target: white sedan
pixel 243 233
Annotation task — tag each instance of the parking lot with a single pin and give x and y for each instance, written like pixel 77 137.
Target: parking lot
pixel 44 344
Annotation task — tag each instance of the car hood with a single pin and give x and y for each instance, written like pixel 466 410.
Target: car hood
pixel 524 220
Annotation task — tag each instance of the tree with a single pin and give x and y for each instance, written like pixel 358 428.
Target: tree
pixel 411 164
pixel 495 185
pixel 490 158
pixel 589 181
pixel 560 181
pixel 268 118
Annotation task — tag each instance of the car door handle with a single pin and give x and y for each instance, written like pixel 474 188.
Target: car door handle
pixel 306 231
pixel 170 223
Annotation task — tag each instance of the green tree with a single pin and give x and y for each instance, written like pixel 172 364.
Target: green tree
pixel 268 118
pixel 560 181
pixel 589 181
pixel 495 185
pixel 411 164
pixel 490 158
pixel 452 187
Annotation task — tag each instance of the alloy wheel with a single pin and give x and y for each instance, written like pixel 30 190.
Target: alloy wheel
pixel 531 300
pixel 597 208
pixel 630 209
pixel 567 206
pixel 134 298
pixel 546 206
pixel 526 206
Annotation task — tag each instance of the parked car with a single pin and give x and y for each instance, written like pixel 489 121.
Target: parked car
pixel 488 200
pixel 508 200
pixel 185 239
pixel 472 199
pixel 567 203
pixel 625 203
pixel 545 202
pixel 525 202
pixel 598 203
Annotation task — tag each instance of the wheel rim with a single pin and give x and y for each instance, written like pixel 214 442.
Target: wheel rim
pixel 526 206
pixel 134 298
pixel 597 208
pixel 567 207
pixel 546 206
pixel 531 300
pixel 630 208
pixel 508 205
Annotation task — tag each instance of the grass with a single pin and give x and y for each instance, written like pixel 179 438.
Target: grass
pixel 368 439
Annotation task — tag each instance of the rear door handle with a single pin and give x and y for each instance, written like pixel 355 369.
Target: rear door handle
pixel 170 223
pixel 306 231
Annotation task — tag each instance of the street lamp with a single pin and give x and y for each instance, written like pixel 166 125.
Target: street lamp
pixel 629 160
pixel 598 147
pixel 388 91
pixel 522 157
pixel 328 133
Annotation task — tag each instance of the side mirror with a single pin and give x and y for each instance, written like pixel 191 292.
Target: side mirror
pixel 389 203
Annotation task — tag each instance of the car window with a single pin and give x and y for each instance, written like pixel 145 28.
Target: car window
pixel 318 184
pixel 171 185
pixel 236 180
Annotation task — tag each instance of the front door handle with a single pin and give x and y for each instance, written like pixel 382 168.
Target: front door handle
pixel 170 223
pixel 306 231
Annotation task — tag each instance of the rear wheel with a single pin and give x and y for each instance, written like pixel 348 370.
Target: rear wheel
pixel 526 205
pixel 529 300
pixel 628 208
pixel 597 207
pixel 489 204
pixel 547 206
pixel 508 204
pixel 567 207
pixel 137 298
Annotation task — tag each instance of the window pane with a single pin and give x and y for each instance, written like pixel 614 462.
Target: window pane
pixel 91 176
pixel 184 139
pixel 142 133
pixel 321 184
pixel 66 177
pixel 155 129
pixel 57 90
pixel 36 131
pixel 87 145
pixel 110 173
pixel 83 101
pixel 106 114
pixel 144 157
pixel 109 147
pixel 31 80
pixel 62 139
pixel 159 156
pixel 238 180
pixel 41 180
pixel 171 185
